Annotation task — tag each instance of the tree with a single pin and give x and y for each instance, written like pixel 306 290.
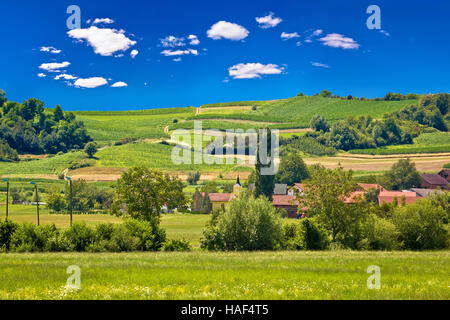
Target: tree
pixel 403 175
pixel 264 183
pixel 193 177
pixel 324 197
pixel 325 93
pixel 2 99
pixel 141 194
pixel 206 204
pixel 56 201
pixel 443 102
pixel 58 114
pixel 248 223
pixel 197 201
pixel 90 149
pixel 319 123
pixel 292 169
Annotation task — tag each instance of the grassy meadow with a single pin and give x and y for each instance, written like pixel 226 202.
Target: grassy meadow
pixel 202 275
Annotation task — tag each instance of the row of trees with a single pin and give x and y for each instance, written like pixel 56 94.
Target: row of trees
pixel 390 96
pixel 399 127
pixel 29 128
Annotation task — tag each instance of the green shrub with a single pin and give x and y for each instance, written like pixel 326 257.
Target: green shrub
pixel 7 229
pixel 247 224
pixel 151 236
pixel 31 238
pixel 80 236
pixel 380 234
pixel 212 239
pixel 177 245
pixel 291 235
pixel 421 226
pixel 314 235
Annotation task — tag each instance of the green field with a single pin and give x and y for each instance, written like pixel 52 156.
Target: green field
pixel 437 142
pixel 201 275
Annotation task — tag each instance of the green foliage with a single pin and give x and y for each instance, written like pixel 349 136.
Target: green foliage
pixel 141 194
pixel 177 245
pixel 325 93
pixel 248 224
pixel 264 183
pixel 193 177
pixel 319 123
pixel 7 229
pixel 90 149
pixel 306 144
pixel 27 128
pixel 80 236
pixel 379 234
pixel 7 153
pixel 403 175
pixel 292 169
pixel 151 236
pixel 56 201
pixel 314 235
pixel 421 226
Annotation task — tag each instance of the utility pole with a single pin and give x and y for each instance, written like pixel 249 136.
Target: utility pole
pixel 37 201
pixel 71 204
pixel 7 196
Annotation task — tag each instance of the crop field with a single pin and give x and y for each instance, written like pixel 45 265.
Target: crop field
pixel 202 275
pixel 426 143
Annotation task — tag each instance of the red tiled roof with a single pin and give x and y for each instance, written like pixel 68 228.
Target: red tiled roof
pixel 283 200
pixel 355 196
pixel 388 196
pixel 368 186
pixel 220 197
pixel 434 179
pixel 300 186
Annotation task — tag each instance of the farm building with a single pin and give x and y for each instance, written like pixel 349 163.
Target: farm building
pixel 445 173
pixel 389 196
pixel 424 193
pixel 433 181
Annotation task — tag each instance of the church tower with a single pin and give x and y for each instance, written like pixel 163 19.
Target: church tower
pixel 237 187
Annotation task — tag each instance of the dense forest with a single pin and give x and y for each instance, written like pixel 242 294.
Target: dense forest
pixel 29 128
pixel 362 132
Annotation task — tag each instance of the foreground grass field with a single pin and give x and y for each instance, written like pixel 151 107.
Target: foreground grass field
pixel 201 275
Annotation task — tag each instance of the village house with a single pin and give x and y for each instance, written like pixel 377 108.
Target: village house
pixel 433 181
pixel 389 197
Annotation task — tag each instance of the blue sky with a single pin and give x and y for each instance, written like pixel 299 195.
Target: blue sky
pixel 195 52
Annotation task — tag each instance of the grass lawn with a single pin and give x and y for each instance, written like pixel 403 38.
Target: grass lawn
pixel 203 275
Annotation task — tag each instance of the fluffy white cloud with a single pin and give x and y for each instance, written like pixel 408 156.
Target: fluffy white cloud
pixel 177 59
pixel 253 70
pixel 54 66
pixel 286 36
pixel 50 49
pixel 65 76
pixel 227 30
pixel 268 21
pixel 134 53
pixel 172 42
pixel 41 75
pixel 105 41
pixel 103 20
pixel 193 40
pixel 387 34
pixel 321 65
pixel 93 82
pixel 317 32
pixel 170 53
pixel 337 40
pixel 119 84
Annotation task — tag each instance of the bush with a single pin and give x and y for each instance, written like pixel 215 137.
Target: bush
pixel 291 236
pixel 177 245
pixel 314 235
pixel 80 236
pixel 247 224
pixel 113 238
pixel 31 238
pixel 7 229
pixel 151 236
pixel 421 226
pixel 380 234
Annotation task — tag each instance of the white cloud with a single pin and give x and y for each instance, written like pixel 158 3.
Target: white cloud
pixel 268 21
pixel 105 41
pixel 286 36
pixel 170 53
pixel 177 59
pixel 54 66
pixel 172 42
pixel 227 30
pixel 93 82
pixel 337 40
pixel 387 34
pixel 253 70
pixel 134 53
pixel 119 84
pixel 41 75
pixel 103 20
pixel 317 32
pixel 65 76
pixel 50 49
pixel 194 40
pixel 321 65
